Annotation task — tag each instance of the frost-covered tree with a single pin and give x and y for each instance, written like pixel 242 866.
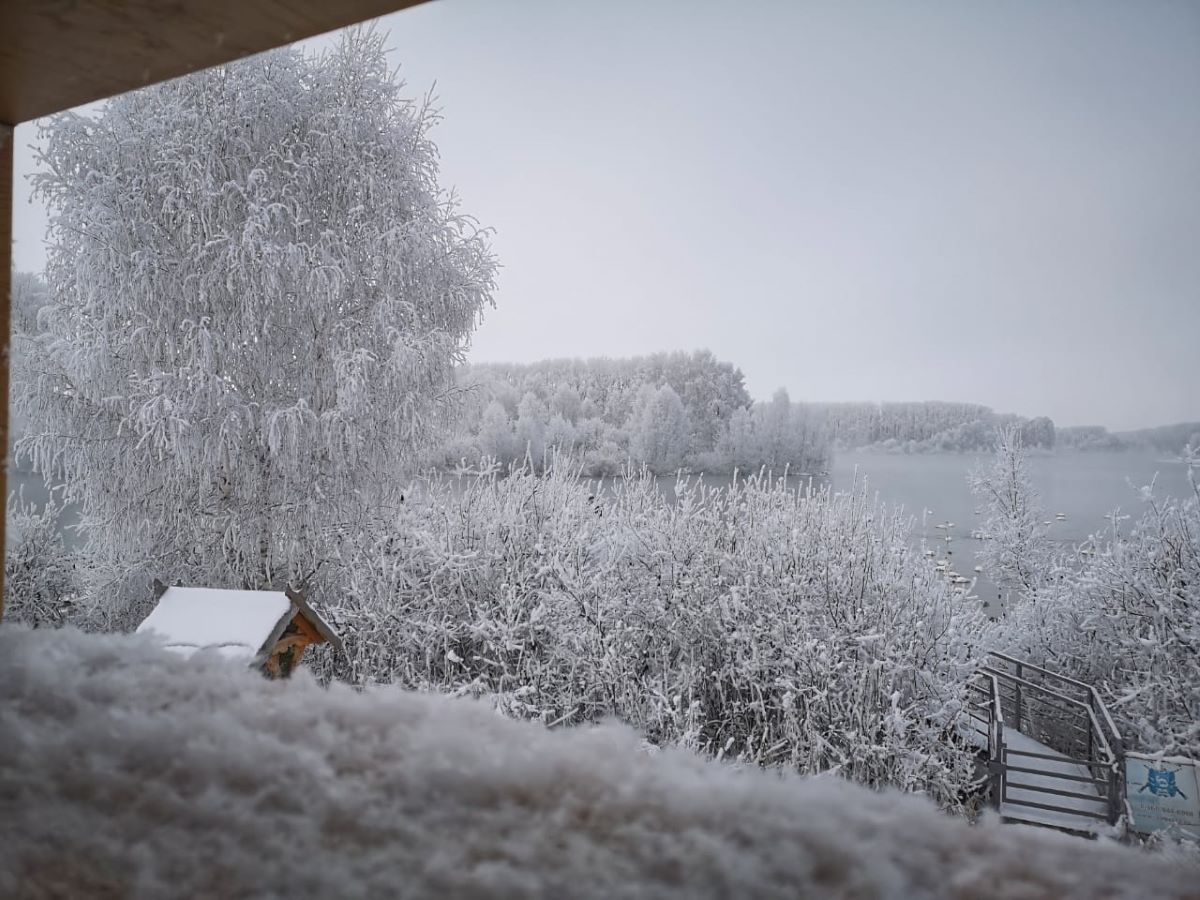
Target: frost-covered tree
pixel 496 438
pixel 927 426
pixel 1038 432
pixel 1016 551
pixel 258 294
pixel 29 295
pixel 737 446
pixel 775 430
pixel 609 393
pixel 560 434
pixel 659 430
pixel 532 418
pixel 566 403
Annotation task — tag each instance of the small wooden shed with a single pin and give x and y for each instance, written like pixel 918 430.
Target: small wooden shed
pixel 268 630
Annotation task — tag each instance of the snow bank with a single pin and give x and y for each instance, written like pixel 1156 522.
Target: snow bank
pixel 129 771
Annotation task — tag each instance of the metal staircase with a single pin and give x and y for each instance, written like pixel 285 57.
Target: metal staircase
pixel 1055 757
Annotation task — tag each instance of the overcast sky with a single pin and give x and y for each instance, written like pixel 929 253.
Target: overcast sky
pixel 990 202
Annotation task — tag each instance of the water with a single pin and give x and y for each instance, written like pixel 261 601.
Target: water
pixel 1086 487
pixel 1083 487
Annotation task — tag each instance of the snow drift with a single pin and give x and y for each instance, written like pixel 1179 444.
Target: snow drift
pixel 128 771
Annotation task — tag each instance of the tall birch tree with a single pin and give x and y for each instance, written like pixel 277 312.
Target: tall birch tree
pixel 258 292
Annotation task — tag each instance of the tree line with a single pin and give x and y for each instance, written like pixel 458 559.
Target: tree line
pixel 665 411
pixel 1172 439
pixel 924 426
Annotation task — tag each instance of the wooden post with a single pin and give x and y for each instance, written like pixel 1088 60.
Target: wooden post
pixel 6 204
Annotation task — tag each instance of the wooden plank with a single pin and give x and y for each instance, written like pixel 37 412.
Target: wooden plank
pixel 54 56
pixel 308 629
pixel 6 198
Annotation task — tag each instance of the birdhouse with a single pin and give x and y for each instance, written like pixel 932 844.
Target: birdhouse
pixel 267 630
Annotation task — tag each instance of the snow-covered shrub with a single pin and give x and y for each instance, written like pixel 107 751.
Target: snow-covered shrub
pixel 755 623
pixel 257 295
pixel 41 575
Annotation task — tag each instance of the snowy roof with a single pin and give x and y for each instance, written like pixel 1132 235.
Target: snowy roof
pixel 238 624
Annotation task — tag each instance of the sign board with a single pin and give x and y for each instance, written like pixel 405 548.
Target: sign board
pixel 1163 793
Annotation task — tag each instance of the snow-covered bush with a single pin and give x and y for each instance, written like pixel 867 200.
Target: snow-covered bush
pixel 41 574
pixel 756 623
pixel 257 295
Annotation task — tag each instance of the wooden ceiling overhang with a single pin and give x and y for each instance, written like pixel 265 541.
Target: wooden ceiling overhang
pixel 56 54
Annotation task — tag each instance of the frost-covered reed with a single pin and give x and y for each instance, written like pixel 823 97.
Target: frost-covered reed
pixel 760 622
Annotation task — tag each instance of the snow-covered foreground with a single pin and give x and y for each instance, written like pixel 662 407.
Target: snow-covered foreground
pixel 128 771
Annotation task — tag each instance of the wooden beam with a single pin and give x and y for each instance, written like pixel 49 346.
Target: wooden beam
pixel 6 201
pixel 56 55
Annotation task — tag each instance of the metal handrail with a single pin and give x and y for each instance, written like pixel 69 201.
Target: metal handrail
pixel 1092 693
pixel 1105 748
pixel 1091 716
pixel 1087 688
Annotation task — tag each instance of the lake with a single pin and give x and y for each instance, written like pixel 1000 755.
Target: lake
pixel 1085 487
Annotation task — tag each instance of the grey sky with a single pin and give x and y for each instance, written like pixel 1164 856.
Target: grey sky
pixel 890 201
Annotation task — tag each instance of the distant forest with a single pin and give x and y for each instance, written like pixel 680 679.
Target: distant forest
pixel 669 411
pixel 923 427
pixel 666 411
pixel 1164 438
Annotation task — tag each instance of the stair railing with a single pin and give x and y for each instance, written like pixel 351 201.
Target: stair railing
pixel 1065 715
